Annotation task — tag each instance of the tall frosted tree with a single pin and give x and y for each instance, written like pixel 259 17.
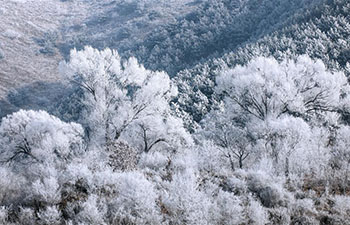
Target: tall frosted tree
pixel 36 149
pixel 276 105
pixel 30 137
pixel 123 100
pixel 266 88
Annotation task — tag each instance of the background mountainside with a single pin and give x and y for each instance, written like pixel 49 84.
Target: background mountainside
pixel 189 39
pixel 320 32
pixel 36 35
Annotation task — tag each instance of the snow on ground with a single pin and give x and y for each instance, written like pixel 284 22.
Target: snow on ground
pixel 21 23
pixel 35 35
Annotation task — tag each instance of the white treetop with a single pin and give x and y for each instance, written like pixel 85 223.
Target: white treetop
pixel 123 99
pixel 266 87
pixel 37 137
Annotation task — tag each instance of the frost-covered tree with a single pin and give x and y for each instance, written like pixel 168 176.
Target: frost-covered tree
pixel 274 110
pixel 286 141
pixel 123 100
pixel 30 137
pixel 266 88
pixel 36 149
pixel 338 143
pixel 234 142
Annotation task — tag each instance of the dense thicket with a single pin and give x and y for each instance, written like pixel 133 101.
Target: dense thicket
pixel 274 151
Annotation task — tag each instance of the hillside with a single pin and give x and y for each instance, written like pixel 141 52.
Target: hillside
pixel 44 32
pixel 320 32
pixel 29 32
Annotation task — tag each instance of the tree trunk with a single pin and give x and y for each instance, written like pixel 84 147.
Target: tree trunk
pixel 232 164
pixel 286 169
pixel 240 161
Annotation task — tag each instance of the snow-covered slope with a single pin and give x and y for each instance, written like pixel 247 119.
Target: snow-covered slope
pixel 36 34
pixel 25 56
pixel 121 24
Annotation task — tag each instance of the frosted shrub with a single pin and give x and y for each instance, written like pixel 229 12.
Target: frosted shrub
pixel 342 206
pixel 135 202
pixel 154 160
pixel 50 215
pixel 11 187
pixel 280 216
pixel 184 202
pixel 121 156
pixel 46 190
pixel 185 160
pixel 228 209
pixel 26 216
pixel 209 150
pixel 93 212
pixel 3 215
pixel 265 189
pixel 78 171
pixel 256 214
pixel 237 185
pixel 303 211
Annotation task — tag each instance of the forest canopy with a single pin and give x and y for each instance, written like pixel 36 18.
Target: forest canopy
pixel 275 141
